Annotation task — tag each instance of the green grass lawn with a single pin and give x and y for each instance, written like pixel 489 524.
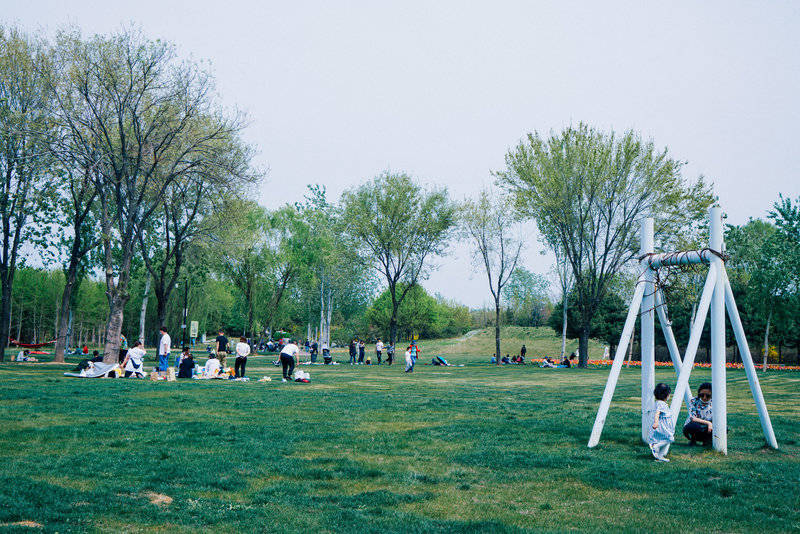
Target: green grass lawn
pixel 371 449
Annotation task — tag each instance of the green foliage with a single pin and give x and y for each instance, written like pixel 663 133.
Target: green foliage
pixel 587 191
pixel 399 226
pixel 419 315
pixel 526 298
pixel 606 323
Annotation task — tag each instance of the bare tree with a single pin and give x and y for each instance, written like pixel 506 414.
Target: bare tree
pixel 490 226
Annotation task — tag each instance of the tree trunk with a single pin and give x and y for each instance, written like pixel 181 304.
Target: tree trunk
pixel 583 345
pixel 143 312
pixel 564 329
pixel 161 309
pixel 5 313
pixel 630 348
pixel 114 327
pixel 497 330
pixel 393 327
pixel 66 299
pixel 766 341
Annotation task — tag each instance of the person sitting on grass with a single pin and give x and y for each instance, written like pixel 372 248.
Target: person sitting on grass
pixel 24 356
pixel 132 364
pixel 186 368
pixel 505 360
pixel 547 363
pixel 212 367
pixel 698 425
pixel 662 431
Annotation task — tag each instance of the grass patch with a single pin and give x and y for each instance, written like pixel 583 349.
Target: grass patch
pixel 371 449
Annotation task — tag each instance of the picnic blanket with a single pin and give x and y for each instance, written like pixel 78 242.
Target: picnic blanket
pixel 95 370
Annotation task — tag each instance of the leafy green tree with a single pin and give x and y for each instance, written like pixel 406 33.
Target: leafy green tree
pixel 490 227
pixel 143 116
pixel 25 168
pixel 587 190
pixel 607 321
pixel 527 297
pixel 400 226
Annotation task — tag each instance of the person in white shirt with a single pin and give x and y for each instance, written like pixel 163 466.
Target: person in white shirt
pixel 133 362
pixel 287 359
pixel 164 348
pixel 409 361
pixel 242 351
pixel 211 370
pixel 326 354
pixel 379 350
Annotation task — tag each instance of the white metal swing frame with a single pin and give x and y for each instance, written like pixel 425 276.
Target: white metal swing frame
pixel 718 296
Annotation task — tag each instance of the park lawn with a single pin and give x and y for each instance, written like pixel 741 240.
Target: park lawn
pixel 478 345
pixel 371 449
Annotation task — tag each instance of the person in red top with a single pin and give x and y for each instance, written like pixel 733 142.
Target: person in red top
pixel 86 349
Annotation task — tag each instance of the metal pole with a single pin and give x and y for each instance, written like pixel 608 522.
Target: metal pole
pixel 750 369
pixel 185 309
pixel 718 379
pixel 616 367
pixel 672 345
pixel 647 320
pixel 694 340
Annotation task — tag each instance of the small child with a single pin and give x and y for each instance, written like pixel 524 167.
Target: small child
pixel 662 433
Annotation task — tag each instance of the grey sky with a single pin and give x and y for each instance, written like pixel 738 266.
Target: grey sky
pixel 338 91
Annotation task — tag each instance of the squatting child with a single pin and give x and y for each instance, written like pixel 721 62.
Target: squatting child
pixel 662 432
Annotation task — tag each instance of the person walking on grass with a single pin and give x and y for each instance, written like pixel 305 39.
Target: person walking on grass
pixel 222 347
pixel 242 352
pixel 361 349
pixel 164 349
pixel 379 350
pixel 288 353
pixel 409 361
pixel 389 354
pixel 662 431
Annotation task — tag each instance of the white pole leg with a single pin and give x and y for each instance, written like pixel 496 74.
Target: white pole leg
pixel 718 352
pixel 694 341
pixel 672 345
pixel 750 369
pixel 619 357
pixel 647 321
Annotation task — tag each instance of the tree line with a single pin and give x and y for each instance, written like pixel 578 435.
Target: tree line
pixel 127 191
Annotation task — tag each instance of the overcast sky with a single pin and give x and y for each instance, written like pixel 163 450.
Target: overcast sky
pixel 336 92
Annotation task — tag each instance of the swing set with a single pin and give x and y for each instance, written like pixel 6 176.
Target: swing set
pixel 717 296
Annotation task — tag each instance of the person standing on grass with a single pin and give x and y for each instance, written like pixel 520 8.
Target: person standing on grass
pixel 523 351
pixel 222 347
pixel 361 349
pixel 353 350
pixel 415 350
pixel 164 349
pixel 242 352
pixel 288 353
pixel 133 361
pixel 389 354
pixel 662 431
pixel 379 350
pixel 409 361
